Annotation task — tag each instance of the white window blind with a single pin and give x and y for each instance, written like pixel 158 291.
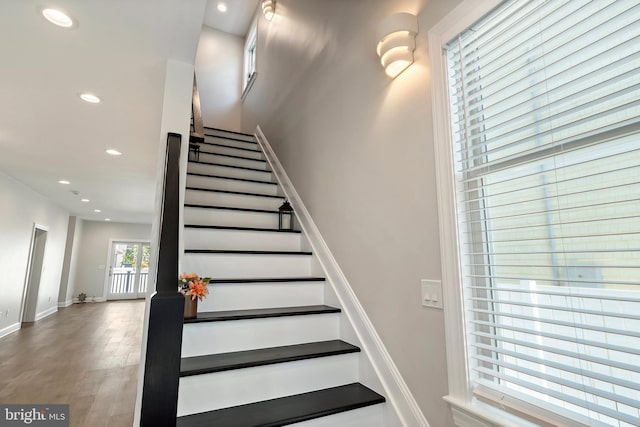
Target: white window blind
pixel 545 112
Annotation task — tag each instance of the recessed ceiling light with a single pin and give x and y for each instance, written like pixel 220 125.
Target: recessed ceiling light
pixel 97 210
pixel 107 219
pixel 91 98
pixel 58 17
pixel 113 152
pixel 85 200
pixel 64 181
pixel 222 7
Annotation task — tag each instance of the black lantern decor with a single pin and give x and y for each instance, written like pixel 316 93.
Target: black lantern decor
pixel 285 218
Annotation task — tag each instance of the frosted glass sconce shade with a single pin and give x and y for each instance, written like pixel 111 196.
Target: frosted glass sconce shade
pixel 269 8
pixel 396 42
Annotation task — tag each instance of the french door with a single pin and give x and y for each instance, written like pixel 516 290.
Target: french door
pixel 128 270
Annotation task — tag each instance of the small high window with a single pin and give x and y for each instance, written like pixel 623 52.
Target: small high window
pixel 250 53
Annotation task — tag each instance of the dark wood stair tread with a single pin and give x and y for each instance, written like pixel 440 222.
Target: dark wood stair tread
pixel 229 131
pixel 230 208
pixel 263 356
pixel 231 146
pixel 230 138
pixel 239 193
pixel 226 227
pixel 195 138
pixel 261 313
pixel 287 410
pixel 244 252
pixel 229 166
pixel 269 280
pixel 232 178
pixel 234 157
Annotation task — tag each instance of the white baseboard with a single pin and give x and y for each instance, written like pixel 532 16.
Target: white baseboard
pixel 63 304
pixel 395 389
pixel 9 329
pixel 46 313
pixel 89 299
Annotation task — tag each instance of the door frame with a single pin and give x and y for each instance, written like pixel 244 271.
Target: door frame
pixel 107 277
pixel 27 279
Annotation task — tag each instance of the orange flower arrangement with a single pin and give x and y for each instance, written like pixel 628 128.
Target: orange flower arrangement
pixel 193 285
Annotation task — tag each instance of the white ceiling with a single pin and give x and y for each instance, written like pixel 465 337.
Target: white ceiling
pixel 118 52
pixel 237 18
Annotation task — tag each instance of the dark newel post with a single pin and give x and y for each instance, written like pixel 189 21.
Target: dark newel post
pixel 164 340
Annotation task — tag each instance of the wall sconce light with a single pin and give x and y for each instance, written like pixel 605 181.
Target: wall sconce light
pixel 396 42
pixel 269 9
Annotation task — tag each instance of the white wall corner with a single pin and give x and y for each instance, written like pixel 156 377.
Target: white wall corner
pixel 396 390
pixel 46 313
pixel 67 303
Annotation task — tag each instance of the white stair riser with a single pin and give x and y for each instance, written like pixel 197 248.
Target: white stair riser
pixel 238 335
pixel 227 149
pixel 230 218
pixel 232 161
pixel 231 185
pixel 242 386
pixel 213 198
pixel 249 385
pixel 370 416
pixel 240 266
pixel 230 172
pixel 202 238
pixel 239 296
pixel 237 141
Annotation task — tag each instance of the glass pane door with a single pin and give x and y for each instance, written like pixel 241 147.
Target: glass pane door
pixel 129 270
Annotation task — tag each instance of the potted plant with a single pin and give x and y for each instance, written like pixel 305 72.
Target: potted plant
pixel 193 288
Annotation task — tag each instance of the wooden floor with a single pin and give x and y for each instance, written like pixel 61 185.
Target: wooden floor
pixel 86 355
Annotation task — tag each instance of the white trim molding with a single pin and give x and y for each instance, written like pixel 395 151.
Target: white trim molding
pixel 63 304
pixel 396 390
pixel 459 398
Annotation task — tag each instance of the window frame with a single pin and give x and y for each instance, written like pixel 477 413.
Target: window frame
pixel 467 410
pixel 250 60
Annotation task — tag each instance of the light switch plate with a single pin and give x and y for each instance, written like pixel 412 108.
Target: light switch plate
pixel 431 293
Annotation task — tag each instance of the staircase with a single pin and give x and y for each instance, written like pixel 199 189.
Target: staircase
pixel 264 349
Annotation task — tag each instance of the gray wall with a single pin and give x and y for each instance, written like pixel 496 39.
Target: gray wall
pixel 74 230
pixel 20 208
pixel 219 73
pixel 92 250
pixel 358 148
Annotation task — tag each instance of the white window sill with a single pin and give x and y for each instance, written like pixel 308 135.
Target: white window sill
pixel 248 87
pixel 511 413
pixel 477 414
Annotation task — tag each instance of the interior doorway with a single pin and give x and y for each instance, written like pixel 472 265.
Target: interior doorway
pixel 128 270
pixel 34 273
